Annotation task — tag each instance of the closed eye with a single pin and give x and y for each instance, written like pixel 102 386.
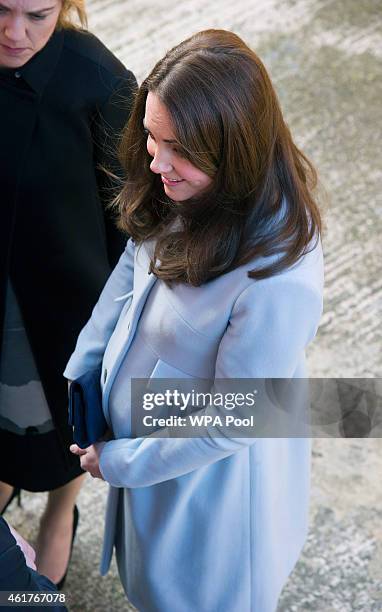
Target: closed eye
pixel 148 133
pixel 37 16
pixel 179 151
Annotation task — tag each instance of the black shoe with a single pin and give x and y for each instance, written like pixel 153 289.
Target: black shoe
pixel 15 493
pixel 76 516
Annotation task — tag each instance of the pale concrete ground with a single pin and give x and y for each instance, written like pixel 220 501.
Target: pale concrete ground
pixel 325 58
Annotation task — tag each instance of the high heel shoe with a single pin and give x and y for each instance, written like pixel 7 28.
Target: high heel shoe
pixel 15 493
pixel 76 517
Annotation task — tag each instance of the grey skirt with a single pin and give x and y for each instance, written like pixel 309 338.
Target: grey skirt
pixel 22 399
pixel 31 452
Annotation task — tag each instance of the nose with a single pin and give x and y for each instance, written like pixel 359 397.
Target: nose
pixel 15 29
pixel 161 163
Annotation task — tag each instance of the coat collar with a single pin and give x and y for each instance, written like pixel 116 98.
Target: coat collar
pixel 143 256
pixel 38 71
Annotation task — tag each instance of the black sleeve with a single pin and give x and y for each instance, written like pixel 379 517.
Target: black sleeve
pixel 109 123
pixel 15 575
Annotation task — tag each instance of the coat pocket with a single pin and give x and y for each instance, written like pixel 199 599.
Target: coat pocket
pixel 166 377
pixel 162 369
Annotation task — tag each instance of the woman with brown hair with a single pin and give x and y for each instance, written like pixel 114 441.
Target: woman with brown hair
pixel 64 98
pixel 222 279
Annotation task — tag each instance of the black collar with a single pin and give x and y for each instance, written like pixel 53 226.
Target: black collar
pixel 37 72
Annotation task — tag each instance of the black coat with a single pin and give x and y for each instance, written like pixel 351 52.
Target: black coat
pixel 61 115
pixel 15 575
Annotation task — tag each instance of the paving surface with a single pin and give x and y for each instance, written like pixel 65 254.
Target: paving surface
pixel 325 59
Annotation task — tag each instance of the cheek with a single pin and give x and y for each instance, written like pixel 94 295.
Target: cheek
pixel 41 36
pixel 206 180
pixel 45 32
pixel 196 176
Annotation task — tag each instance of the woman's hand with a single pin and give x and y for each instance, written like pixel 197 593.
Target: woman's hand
pixel 89 458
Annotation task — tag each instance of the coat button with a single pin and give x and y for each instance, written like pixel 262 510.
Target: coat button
pixel 17 74
pixel 104 375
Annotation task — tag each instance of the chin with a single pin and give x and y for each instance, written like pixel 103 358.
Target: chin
pixel 174 197
pixel 178 199
pixel 13 62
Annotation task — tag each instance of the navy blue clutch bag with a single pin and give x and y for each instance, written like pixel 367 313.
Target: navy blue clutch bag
pixel 85 409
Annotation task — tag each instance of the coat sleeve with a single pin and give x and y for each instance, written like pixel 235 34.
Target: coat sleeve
pixel 109 122
pixel 93 339
pixel 271 323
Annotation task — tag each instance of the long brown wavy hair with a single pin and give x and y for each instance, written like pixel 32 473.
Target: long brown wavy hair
pixel 228 123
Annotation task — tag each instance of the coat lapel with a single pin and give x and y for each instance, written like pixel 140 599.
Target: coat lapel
pixel 120 343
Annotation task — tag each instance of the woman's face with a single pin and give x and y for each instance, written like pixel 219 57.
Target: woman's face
pixel 180 178
pixel 25 28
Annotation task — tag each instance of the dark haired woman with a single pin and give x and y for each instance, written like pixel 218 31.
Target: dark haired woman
pixel 63 97
pixel 223 279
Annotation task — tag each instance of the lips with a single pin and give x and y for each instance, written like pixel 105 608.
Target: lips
pixel 171 182
pixel 13 50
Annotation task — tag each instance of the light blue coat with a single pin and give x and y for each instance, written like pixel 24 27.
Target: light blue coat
pixel 202 524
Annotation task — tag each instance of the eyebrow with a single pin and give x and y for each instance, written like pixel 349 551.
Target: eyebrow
pixel 33 11
pixel 164 139
pixel 42 10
